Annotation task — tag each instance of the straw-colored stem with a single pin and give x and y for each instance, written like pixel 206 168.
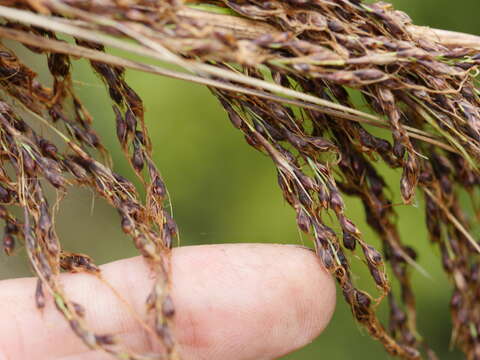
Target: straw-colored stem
pixel 253 28
pixel 302 100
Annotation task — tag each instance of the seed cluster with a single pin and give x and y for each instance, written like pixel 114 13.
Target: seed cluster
pixel 256 56
pixel 32 157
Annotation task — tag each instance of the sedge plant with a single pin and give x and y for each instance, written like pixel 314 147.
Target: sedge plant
pixel 284 71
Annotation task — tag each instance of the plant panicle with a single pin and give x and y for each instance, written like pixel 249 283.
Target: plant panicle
pixel 283 71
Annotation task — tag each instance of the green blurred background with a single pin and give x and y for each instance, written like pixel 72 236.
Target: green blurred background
pixel 224 191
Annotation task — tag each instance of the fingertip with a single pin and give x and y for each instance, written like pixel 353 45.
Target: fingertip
pixel 245 301
pixel 263 302
pixel 319 299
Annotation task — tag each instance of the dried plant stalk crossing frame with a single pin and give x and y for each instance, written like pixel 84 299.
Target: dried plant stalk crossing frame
pixel 261 60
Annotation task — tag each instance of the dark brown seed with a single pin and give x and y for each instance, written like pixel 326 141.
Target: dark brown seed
pixel 411 352
pixel 235 119
pixel 164 332
pixel 150 302
pixel 303 221
pixel 121 125
pixel 296 141
pixel 39 295
pixel 326 258
pixel 158 187
pixel 54 178
pixel 378 276
pixel 369 74
pixel 170 224
pixel 8 244
pixel 349 241
pixel 362 299
pixel 456 300
pixel 323 196
pixel 411 252
pixel 127 225
pixel 59 64
pixel 321 144
pixel 336 201
pixel 48 149
pixel 140 137
pixel 3 212
pixel 131 120
pixel 28 163
pixel 138 160
pixel 105 339
pixel 348 226
pixel 78 329
pixel 11 228
pixel 78 171
pixel 44 221
pixel 79 309
pixel 372 255
pixel 5 196
pixel 167 240
pixel 115 94
pixel 168 309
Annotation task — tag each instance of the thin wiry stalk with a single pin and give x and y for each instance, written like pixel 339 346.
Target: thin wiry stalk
pixel 70 49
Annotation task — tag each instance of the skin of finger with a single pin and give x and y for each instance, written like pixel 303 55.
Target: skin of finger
pixel 232 301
